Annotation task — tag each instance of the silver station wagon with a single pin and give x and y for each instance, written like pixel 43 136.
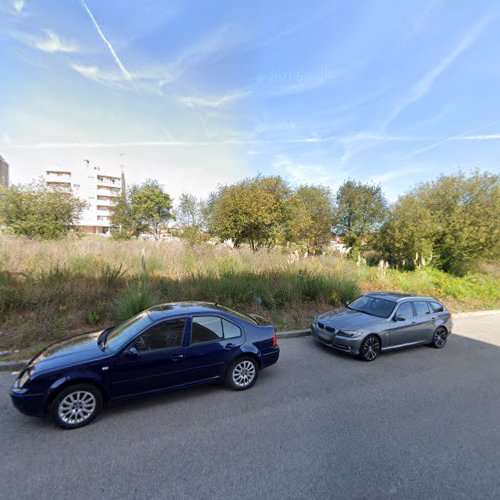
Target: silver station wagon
pixel 381 321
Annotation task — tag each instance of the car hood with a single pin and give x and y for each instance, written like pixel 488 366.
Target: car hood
pixel 75 350
pixel 347 319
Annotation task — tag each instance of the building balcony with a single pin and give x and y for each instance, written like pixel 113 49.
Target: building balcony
pixel 108 191
pixel 105 201
pixel 59 185
pixel 109 181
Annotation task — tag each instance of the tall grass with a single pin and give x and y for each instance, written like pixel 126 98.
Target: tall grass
pixel 48 289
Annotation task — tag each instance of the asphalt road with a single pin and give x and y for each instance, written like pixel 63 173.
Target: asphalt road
pixel 419 423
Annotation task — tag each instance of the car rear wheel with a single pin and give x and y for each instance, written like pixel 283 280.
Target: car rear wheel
pixel 242 374
pixel 370 348
pixel 76 406
pixel 439 338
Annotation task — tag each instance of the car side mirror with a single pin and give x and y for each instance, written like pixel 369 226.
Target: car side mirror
pixel 132 353
pixel 398 317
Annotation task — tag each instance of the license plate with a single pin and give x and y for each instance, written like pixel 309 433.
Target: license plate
pixel 326 338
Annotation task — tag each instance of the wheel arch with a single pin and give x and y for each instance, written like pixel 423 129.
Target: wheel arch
pixel 379 337
pixel 242 355
pixel 62 384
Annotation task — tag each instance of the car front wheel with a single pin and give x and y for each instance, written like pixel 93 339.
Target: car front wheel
pixel 370 348
pixel 439 338
pixel 76 406
pixel 242 374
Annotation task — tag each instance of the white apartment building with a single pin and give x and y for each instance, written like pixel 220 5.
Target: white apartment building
pixel 97 188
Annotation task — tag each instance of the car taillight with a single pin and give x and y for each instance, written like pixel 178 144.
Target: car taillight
pixel 275 340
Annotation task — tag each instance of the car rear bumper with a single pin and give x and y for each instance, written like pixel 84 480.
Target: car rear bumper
pixel 29 404
pixel 344 344
pixel 269 358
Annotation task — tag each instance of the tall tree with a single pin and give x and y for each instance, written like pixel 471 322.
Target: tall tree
pixel 37 212
pixel 189 211
pixel 408 232
pixel 152 206
pixel 252 211
pixel 310 218
pixel 190 214
pixel 145 207
pixel 455 217
pixel 360 209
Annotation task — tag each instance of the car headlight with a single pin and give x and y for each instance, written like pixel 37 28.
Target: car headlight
pixel 25 376
pixel 350 334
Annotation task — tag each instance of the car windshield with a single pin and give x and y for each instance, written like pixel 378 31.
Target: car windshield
pixel 373 306
pixel 126 331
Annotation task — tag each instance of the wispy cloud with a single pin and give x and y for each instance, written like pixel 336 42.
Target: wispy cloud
pixel 118 62
pixel 96 74
pixel 469 135
pixel 424 85
pixel 373 138
pixel 18 5
pixel 53 43
pixel 160 143
pixel 213 102
pixel 153 77
pixel 482 137
pixel 397 174
pixel 307 173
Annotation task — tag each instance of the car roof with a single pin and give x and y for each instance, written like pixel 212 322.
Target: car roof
pixel 166 310
pixel 397 296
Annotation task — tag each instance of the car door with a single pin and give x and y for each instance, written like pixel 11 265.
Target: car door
pixel 152 362
pixel 214 341
pixel 402 331
pixel 424 320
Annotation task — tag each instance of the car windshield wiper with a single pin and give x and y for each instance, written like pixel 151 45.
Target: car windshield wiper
pixel 101 341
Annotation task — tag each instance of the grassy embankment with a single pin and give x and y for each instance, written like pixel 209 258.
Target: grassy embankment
pixel 49 290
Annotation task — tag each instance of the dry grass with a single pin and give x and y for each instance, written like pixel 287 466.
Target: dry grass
pixel 51 289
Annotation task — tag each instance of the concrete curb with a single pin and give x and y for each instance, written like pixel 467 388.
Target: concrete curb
pixel 293 333
pixel 6 366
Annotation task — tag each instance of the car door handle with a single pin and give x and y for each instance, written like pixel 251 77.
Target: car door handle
pixel 230 346
pixel 176 357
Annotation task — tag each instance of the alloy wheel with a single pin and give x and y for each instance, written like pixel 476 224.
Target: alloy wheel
pixel 371 348
pixel 244 373
pixel 77 407
pixel 440 337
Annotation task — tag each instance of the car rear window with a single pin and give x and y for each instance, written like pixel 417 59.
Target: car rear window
pixel 436 307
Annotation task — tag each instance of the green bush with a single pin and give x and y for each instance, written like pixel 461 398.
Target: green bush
pixel 134 299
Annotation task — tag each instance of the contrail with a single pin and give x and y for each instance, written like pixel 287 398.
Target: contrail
pixel 123 69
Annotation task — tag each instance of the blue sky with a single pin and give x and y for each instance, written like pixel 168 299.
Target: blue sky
pixel 196 93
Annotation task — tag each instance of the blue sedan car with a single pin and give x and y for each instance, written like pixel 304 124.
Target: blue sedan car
pixel 167 347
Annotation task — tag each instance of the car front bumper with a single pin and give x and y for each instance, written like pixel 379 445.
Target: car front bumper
pixel 344 344
pixel 29 404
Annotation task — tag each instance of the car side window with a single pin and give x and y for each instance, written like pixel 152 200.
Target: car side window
pixel 163 335
pixel 206 329
pixel 405 310
pixel 421 308
pixel 210 328
pixel 436 307
pixel 231 331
